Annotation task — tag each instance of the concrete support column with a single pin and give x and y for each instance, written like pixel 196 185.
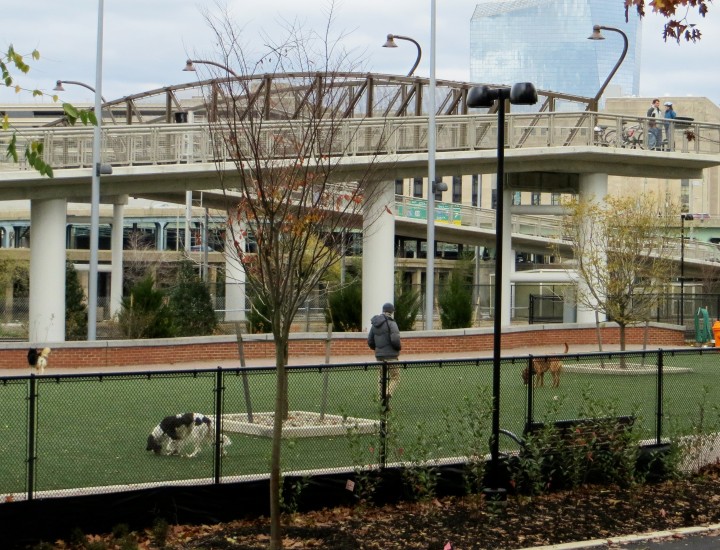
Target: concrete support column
pixel 508 261
pixel 378 259
pixel 6 236
pixel 234 273
pixel 116 245
pixel 593 187
pixel 47 271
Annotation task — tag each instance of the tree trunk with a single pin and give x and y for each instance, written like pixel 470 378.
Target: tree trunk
pixel 280 413
pixel 623 363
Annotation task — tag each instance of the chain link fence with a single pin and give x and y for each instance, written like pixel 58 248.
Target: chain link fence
pixel 66 435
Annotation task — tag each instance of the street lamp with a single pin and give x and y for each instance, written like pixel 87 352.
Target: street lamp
pixel 523 93
pixel 683 217
pixel 59 88
pixel 390 43
pixel 190 66
pixel 597 35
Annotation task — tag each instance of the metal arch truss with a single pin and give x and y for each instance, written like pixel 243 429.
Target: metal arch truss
pixel 284 96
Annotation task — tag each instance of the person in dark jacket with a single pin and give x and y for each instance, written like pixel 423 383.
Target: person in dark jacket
pixel 384 339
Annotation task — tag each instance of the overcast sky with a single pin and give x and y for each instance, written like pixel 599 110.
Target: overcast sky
pixel 146 42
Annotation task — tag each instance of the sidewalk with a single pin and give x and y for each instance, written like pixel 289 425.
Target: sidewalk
pixel 335 359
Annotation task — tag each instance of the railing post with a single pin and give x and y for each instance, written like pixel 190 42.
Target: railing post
pixel 659 413
pixel 218 423
pixel 31 458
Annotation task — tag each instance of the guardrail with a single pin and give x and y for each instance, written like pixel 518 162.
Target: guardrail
pixel 193 143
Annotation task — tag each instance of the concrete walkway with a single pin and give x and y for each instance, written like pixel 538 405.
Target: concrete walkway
pixel 336 359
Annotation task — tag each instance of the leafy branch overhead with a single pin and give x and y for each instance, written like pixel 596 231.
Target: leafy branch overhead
pixel 34 148
pixel 678 27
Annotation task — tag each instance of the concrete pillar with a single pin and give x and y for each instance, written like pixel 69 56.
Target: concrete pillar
pixel 508 261
pixel 234 274
pixel 378 258
pixel 116 245
pixel 47 271
pixel 592 187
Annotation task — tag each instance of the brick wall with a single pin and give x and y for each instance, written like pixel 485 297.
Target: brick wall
pixel 218 348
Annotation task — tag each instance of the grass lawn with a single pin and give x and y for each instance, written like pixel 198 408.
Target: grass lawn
pixel 92 431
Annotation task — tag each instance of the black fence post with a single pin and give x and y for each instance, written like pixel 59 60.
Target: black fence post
pixel 529 419
pixel 32 419
pixel 219 395
pixel 659 415
pixel 384 379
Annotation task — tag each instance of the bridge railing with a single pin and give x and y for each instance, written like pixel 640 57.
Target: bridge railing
pixel 191 143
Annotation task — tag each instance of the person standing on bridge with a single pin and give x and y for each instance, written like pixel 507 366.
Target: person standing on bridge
pixel 384 339
pixel 654 133
pixel 670 115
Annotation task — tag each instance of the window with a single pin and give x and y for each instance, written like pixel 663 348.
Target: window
pixel 399 187
pixel 475 191
pixel 535 199
pixel 438 194
pixel 417 187
pixel 457 189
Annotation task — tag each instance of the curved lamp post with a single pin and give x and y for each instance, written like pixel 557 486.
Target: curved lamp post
pixel 190 66
pixel 597 35
pixel 59 88
pixel 523 93
pixel 390 43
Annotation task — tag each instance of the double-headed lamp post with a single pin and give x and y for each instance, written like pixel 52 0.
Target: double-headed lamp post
pixel 523 93
pixel 597 35
pixel 683 217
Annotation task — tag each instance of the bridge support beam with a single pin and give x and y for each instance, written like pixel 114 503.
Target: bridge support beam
pixel 378 259
pixel 593 187
pixel 47 271
pixel 116 245
pixel 234 274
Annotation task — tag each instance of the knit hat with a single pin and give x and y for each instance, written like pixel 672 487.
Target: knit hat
pixel 388 308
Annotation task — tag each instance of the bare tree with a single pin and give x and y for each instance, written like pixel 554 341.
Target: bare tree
pixel 288 136
pixel 623 254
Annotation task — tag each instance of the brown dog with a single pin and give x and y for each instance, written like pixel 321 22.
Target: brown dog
pixel 542 365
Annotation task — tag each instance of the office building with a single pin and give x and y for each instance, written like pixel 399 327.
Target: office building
pixel 546 42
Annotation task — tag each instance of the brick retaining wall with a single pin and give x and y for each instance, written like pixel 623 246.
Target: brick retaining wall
pixel 113 353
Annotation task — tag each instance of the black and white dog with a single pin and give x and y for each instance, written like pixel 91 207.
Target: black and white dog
pixel 184 430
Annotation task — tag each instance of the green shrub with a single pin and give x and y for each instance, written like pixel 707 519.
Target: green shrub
pixel 190 304
pixel 258 318
pixel 76 314
pixel 344 309
pixel 455 302
pixel 145 313
pixel 407 306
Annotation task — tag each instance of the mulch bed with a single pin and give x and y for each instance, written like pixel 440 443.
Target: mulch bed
pixel 593 512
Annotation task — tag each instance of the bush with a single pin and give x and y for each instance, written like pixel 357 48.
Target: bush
pixel 455 302
pixel 344 308
pixel 258 318
pixel 190 304
pixel 76 314
pixel 407 307
pixel 145 313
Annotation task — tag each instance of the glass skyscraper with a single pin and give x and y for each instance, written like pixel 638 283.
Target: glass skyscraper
pixel 546 42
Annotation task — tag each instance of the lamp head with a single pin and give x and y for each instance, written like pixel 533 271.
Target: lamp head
pixel 58 87
pixel 523 93
pixel 482 96
pixel 596 34
pixel 390 42
pixel 189 66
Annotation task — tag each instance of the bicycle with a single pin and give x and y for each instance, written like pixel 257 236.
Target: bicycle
pixel 631 138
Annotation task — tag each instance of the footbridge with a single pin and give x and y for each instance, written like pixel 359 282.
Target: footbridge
pixel 164 143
